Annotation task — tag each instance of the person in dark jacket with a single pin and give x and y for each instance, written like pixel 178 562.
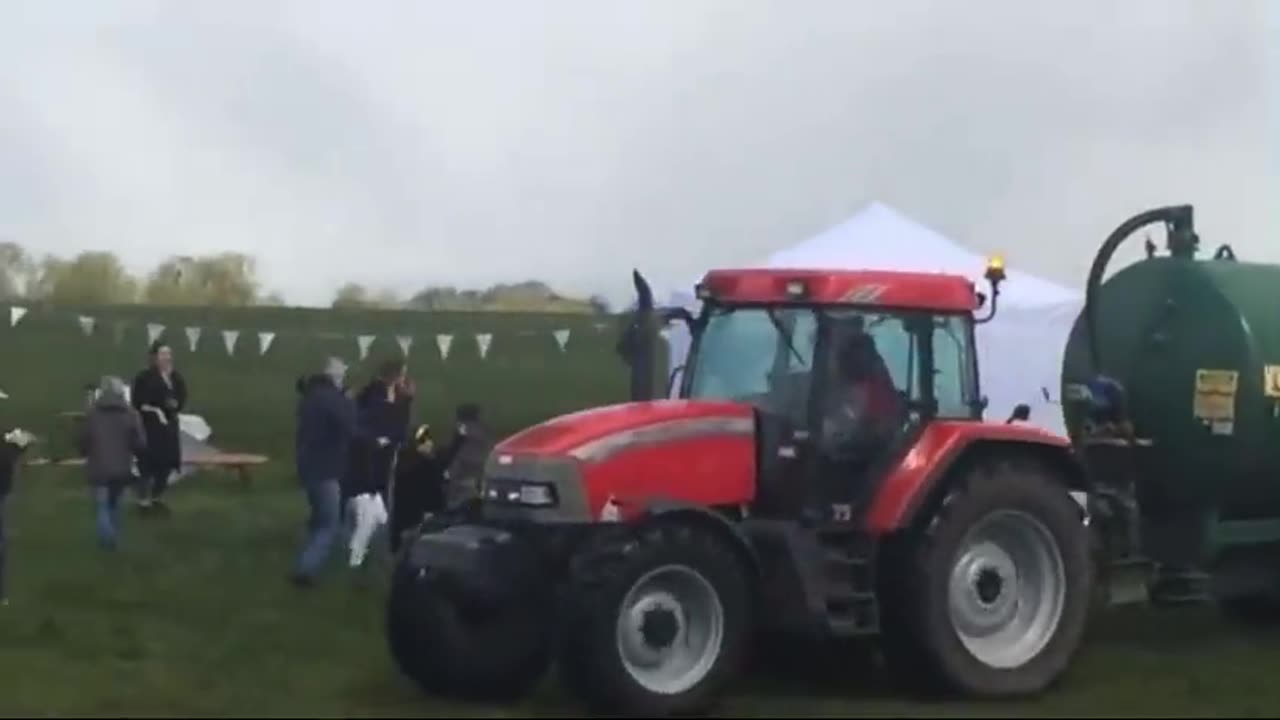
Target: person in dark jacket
pixel 326 426
pixel 112 434
pixel 159 394
pixel 12 445
pixel 419 486
pixel 384 420
pixel 463 474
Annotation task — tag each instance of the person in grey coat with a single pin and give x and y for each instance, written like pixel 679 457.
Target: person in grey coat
pixel 112 435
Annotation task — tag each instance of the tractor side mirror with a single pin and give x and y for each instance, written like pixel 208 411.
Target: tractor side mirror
pixel 1021 413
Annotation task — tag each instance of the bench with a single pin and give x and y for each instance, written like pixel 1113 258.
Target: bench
pixel 238 462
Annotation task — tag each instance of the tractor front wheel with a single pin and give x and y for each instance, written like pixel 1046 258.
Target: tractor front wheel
pixel 998 585
pixel 658 622
pixel 466 645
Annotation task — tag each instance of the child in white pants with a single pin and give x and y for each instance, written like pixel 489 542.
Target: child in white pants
pixel 370 514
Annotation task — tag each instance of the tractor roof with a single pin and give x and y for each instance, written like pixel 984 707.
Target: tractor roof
pixel 927 291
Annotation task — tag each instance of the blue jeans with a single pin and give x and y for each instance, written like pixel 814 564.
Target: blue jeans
pixel 324 498
pixel 106 508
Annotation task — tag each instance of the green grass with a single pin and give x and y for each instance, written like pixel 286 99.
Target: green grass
pixel 193 617
pixel 249 398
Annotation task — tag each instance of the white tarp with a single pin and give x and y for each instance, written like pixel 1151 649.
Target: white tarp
pixel 1019 352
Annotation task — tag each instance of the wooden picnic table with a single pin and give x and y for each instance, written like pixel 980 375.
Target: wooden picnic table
pixel 239 462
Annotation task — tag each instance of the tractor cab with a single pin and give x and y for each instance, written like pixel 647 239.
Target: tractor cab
pixel 843 370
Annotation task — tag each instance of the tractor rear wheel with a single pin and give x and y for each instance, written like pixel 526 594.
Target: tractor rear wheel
pixel 658 622
pixel 995 590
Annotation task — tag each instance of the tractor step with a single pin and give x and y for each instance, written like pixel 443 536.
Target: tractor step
pixel 1172 587
pixel 852 607
pixel 1128 580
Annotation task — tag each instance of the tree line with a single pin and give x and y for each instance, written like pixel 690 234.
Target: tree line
pixel 230 279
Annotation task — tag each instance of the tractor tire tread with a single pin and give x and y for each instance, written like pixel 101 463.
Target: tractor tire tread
pixel 600 577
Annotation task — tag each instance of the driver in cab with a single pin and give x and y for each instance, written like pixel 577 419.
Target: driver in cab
pixel 863 415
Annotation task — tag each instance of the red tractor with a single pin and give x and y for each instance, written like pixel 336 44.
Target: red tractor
pixel 826 471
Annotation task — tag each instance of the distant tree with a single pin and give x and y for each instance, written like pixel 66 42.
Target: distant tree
pixel 350 295
pixel 599 305
pixel 18 272
pixel 227 280
pixel 527 296
pixel 272 299
pixel 355 295
pixel 90 278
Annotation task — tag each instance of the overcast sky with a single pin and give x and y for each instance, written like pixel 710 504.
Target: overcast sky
pixel 404 143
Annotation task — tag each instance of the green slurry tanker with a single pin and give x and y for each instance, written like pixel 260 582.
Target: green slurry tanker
pixel 826 471
pixel 1171 393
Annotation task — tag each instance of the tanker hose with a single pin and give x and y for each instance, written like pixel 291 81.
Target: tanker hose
pixel 1177 218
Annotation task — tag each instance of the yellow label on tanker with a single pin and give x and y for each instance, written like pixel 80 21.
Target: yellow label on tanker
pixel 1271 381
pixel 1217 381
pixel 1212 406
pixel 1215 396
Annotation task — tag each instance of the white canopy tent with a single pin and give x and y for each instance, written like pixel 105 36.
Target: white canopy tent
pixel 1019 352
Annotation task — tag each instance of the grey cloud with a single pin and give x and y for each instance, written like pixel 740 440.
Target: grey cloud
pixel 468 143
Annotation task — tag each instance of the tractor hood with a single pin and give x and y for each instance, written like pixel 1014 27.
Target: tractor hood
pixel 592 435
pixel 630 457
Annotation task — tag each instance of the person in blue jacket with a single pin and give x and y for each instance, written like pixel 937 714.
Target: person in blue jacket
pixel 326 428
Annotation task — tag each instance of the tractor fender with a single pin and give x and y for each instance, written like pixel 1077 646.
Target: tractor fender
pixel 707 519
pixel 943 447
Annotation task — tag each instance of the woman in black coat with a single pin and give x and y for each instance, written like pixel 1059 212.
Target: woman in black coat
pixel 383 409
pixel 159 394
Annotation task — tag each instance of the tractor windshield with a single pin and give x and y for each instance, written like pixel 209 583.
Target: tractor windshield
pixel 763 356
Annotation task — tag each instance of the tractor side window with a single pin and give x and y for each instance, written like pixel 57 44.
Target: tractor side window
pixel 953 367
pixel 894 345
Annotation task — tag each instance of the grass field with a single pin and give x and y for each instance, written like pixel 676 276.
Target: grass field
pixel 249 398
pixel 193 617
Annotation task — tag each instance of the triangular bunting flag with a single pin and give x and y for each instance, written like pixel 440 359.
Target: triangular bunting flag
pixel 405 342
pixel 562 338
pixel 86 324
pixel 154 331
pixel 229 338
pixel 15 314
pixel 264 342
pixel 483 340
pixel 365 341
pixel 444 342
pixel 193 338
pixel 4 395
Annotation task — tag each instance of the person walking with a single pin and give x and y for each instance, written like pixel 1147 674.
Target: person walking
pixel 382 412
pixel 112 434
pixel 14 443
pixel 159 394
pixel 326 425
pixel 384 418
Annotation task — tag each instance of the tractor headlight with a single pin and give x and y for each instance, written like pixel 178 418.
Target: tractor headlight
pixel 505 491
